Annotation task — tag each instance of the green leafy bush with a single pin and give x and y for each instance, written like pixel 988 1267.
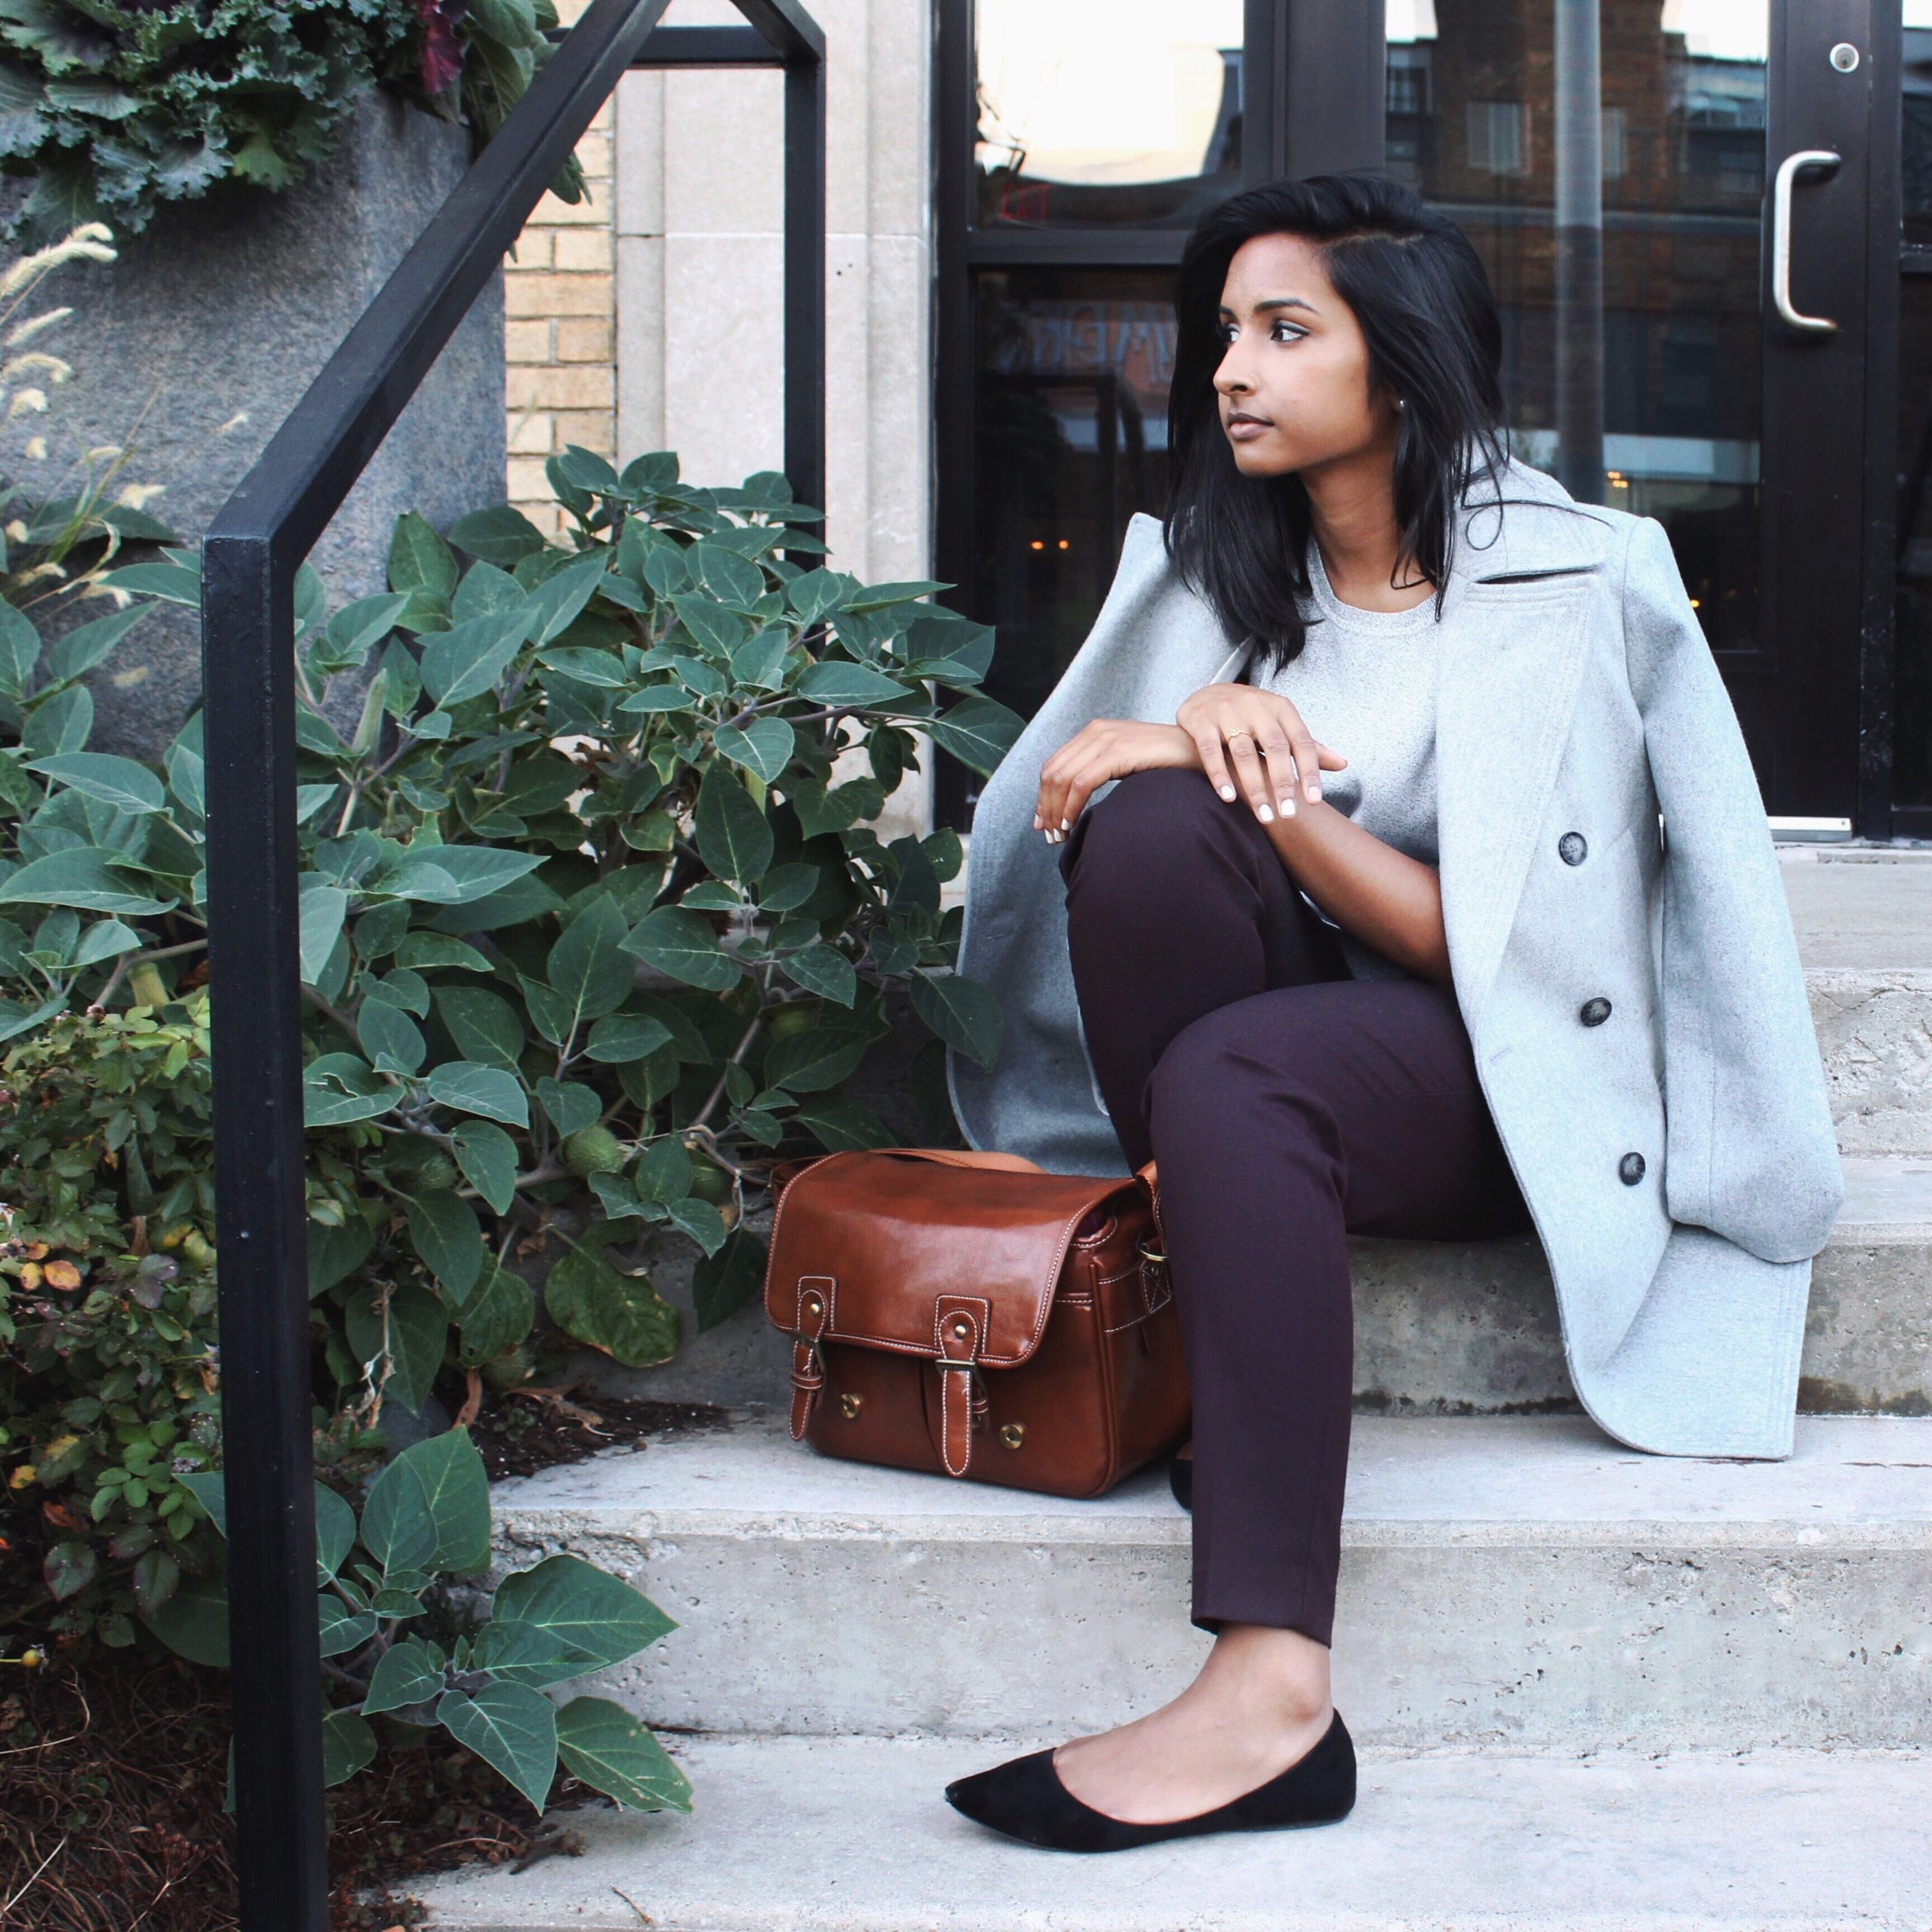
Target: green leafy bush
pixel 114 109
pixel 108 1368
pixel 394 1643
pixel 592 931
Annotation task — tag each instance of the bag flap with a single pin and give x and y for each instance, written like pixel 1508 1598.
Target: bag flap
pixel 882 1240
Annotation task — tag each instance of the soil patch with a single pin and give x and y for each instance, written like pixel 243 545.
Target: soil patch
pixel 528 1429
pixel 113 1773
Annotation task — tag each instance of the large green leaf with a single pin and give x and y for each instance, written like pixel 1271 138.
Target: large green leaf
pixel 480 870
pixel 880 596
pixel 420 559
pixel 961 1012
pixel 408 1323
pixel 843 1126
pixel 764 746
pixel 586 1609
pixel 340 1087
pixel 508 1726
pixel 682 944
pixel 487 1157
pixel 19 650
pixel 339 1629
pixel 323 909
pixel 522 1654
pixel 499 535
pixel 664 1171
pixel 623 1315
pixel 555 603
pixel 734 838
pixel 823 970
pixel 589 966
pixel 977 731
pixel 719 630
pixel 468 658
pixel 733 580
pixel 626 1037
pixel 495 1317
pixel 118 782
pixel 484 1026
pixel 611 1751
pixel 348 1743
pixel 408 1673
pixel 335 1253
pixel 193 1623
pixel 386 1032
pixel 808 1062
pixel 723 1283
pixel 837 681
pixel 429 1508
pixel 571 1104
pixel 82 876
pixel 472 1088
pixel 442 1226
pixel 335 1531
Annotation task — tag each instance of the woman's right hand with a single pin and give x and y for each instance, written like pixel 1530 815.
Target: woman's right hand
pixel 1256 740
pixel 1107 748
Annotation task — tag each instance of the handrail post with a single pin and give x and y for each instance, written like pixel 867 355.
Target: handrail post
pixel 248 563
pixel 805 277
pixel 275 1667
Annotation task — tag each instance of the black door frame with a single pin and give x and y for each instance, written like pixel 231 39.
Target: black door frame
pixel 1313 73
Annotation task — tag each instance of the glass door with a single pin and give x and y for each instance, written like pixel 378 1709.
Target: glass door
pixel 1625 167
pixel 1627 170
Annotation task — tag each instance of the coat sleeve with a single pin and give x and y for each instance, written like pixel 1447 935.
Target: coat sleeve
pixel 1751 1152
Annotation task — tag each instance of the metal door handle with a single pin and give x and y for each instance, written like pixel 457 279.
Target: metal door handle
pixel 1781 188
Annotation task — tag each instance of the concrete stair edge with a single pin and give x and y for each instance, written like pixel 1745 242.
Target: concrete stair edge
pixel 791 1834
pixel 1603 1598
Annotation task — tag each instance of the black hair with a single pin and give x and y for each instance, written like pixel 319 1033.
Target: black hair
pixel 1428 316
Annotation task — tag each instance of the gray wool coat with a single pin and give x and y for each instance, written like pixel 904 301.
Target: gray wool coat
pixel 1575 695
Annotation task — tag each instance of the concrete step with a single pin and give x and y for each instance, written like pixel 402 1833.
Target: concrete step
pixel 1470 1328
pixel 792 1834
pixel 1522 1582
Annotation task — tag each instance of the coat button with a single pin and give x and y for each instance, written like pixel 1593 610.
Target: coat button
pixel 1572 848
pixel 1594 1012
pixel 1630 1170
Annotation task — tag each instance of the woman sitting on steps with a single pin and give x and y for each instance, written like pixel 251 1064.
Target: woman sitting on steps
pixel 1428 892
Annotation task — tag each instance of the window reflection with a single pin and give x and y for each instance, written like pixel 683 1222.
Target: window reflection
pixel 1071 440
pixel 1101 112
pixel 1607 159
pixel 1912 753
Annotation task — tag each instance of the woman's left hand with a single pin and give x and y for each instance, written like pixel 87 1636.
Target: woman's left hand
pixel 1108 748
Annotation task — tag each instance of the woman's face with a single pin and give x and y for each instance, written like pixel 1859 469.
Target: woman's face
pixel 1294 385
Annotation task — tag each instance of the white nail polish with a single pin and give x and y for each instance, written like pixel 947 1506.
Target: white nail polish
pixel 1265 816
pixel 1067 825
pixel 1228 792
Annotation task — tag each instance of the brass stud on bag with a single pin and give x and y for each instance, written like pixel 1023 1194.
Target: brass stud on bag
pixel 813 1305
pixel 849 1405
pixel 1012 1434
pixel 962 1329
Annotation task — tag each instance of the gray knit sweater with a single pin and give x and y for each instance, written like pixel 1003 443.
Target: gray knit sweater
pixel 1364 685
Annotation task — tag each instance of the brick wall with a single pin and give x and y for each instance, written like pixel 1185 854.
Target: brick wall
pixel 559 291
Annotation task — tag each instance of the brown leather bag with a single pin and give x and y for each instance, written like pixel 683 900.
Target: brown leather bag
pixel 972 1313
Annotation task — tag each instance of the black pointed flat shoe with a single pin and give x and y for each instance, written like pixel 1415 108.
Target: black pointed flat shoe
pixel 1181 1477
pixel 1024 1798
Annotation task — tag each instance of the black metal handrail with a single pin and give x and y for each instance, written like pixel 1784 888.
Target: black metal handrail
pixel 248 565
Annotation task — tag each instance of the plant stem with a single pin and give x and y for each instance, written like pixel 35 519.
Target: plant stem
pixel 128 961
pixel 738 1054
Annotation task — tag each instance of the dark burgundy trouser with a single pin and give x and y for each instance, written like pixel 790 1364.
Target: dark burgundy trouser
pixel 1288 1105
